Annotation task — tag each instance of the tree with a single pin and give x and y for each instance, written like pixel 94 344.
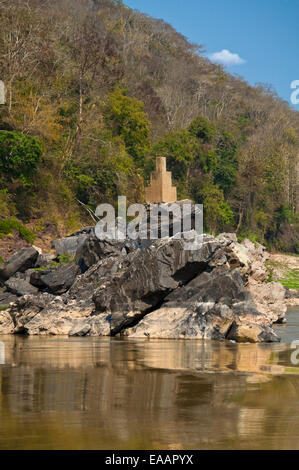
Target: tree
pixel 19 156
pixel 180 148
pixel 202 128
pixel 126 117
pixel 217 213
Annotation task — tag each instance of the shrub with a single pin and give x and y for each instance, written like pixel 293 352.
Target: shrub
pixel 19 156
pixel 9 225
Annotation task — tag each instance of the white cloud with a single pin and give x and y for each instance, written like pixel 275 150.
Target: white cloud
pixel 226 57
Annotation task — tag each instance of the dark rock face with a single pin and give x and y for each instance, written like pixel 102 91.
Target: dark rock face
pixel 58 280
pixel 151 275
pixel 210 306
pixel 35 278
pixel 69 245
pixel 19 262
pixel 19 286
pixel 93 250
pixel 160 291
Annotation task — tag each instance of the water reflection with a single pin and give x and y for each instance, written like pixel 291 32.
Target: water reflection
pixel 88 393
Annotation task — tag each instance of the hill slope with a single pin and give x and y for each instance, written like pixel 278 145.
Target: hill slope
pixel 95 91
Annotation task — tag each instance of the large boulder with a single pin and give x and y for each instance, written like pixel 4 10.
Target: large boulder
pixel 251 333
pixel 6 323
pixel 211 306
pixel 150 276
pixel 56 281
pixel 20 286
pixel 19 262
pixel 70 312
pixel 69 245
pixel 93 250
pixel 269 298
pixel 258 256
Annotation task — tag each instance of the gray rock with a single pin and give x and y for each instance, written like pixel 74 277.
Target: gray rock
pixel 59 280
pixel 46 314
pixel 80 330
pixel 224 237
pixel 210 306
pixel 44 260
pixel 6 298
pixel 151 275
pixel 19 262
pixel 19 286
pixel 68 245
pixel 93 250
pixel 35 278
pixel 269 298
pixel 164 290
pixel 252 333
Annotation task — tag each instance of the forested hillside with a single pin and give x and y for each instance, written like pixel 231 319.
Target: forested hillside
pixel 95 91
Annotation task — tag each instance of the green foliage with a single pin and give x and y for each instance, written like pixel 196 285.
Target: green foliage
pixel 116 89
pixel 180 148
pixel 226 166
pixel 7 207
pixel 104 172
pixel 65 258
pixel 3 308
pixel 126 117
pixel 252 236
pixel 217 213
pixel 270 276
pixel 1 260
pixel 19 156
pixel 7 226
pixel 291 280
pixel 202 128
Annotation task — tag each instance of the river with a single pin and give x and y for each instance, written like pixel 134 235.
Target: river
pixel 109 393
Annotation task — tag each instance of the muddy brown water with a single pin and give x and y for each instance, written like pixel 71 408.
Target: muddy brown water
pixel 108 393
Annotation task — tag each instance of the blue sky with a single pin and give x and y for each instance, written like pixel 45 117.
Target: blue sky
pixel 264 34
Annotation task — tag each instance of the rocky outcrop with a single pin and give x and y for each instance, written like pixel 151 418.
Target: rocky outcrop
pixel 150 276
pixel 19 262
pixel 270 299
pixel 93 250
pixel 162 290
